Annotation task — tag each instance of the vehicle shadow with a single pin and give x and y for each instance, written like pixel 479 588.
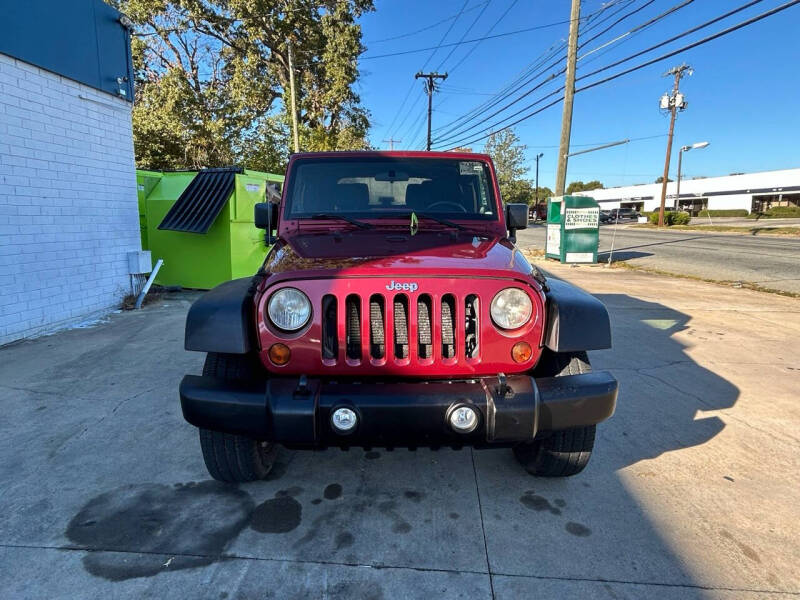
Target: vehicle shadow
pixel 606 524
pixel 620 255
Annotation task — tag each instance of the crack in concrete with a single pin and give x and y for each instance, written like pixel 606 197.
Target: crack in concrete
pixel 227 557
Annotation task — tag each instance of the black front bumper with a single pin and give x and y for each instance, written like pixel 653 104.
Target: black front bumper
pixel 296 412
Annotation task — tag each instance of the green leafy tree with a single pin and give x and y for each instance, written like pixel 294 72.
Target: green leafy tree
pixel 579 186
pixel 508 155
pixel 660 179
pixel 212 79
pixel 544 193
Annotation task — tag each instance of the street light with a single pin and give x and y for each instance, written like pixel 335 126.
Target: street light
pixel 680 158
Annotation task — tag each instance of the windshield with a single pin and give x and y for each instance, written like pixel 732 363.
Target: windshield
pixel 381 187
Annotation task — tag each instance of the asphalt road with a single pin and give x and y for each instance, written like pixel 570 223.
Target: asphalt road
pixel 768 261
pixel 691 493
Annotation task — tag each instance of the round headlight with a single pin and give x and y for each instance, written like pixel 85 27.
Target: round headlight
pixel 289 309
pixel 511 308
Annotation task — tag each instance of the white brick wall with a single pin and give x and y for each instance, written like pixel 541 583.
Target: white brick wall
pixel 68 208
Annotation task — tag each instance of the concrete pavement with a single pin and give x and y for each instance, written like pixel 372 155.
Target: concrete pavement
pixel 691 493
pixel 769 262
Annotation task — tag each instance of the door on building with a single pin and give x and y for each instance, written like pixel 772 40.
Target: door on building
pixel 693 205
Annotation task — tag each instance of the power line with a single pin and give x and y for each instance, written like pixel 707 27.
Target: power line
pixel 617 22
pixel 447 138
pixel 479 110
pixel 453 49
pixel 473 40
pixel 443 38
pixel 670 54
pixel 496 23
pixel 673 38
pixel 429 27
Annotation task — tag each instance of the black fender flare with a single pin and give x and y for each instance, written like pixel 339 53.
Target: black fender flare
pixel 221 320
pixel 576 320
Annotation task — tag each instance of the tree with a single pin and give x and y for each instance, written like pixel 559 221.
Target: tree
pixel 660 179
pixel 544 193
pixel 212 79
pixel 508 155
pixel 579 186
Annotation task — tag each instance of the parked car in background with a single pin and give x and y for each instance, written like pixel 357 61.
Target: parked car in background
pixel 605 216
pixel 619 215
pixel 538 212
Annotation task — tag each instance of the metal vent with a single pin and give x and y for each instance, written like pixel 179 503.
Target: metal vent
pixel 448 326
pixel 377 333
pixel 401 326
pixel 200 204
pixel 472 326
pixel 330 344
pixel 353 330
pixel 424 336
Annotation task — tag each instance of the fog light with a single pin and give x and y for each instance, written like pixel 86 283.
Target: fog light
pixel 344 420
pixel 521 352
pixel 279 354
pixel 463 419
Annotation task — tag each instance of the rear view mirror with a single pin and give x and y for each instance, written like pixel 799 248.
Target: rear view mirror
pixel 516 218
pixel 265 216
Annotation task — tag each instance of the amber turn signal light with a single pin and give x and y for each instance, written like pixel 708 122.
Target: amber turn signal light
pixel 521 352
pixel 279 354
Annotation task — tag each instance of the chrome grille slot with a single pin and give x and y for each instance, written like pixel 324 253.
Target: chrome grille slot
pixel 401 326
pixel 424 326
pixel 377 332
pixel 448 326
pixel 471 326
pixel 330 343
pixel 353 327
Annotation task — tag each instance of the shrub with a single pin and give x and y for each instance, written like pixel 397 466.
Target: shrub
pixel 653 218
pixel 730 212
pixel 680 218
pixel 784 211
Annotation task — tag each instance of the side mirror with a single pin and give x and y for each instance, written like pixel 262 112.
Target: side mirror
pixel 265 215
pixel 516 218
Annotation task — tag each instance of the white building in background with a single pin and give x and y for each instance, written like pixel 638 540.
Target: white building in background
pixel 68 205
pixel 749 191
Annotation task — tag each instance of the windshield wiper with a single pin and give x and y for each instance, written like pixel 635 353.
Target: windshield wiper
pixel 350 220
pixel 400 215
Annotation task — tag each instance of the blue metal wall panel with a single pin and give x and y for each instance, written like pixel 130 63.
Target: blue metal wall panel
pixel 79 39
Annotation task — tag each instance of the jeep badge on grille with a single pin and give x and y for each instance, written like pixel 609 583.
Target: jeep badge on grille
pixel 406 287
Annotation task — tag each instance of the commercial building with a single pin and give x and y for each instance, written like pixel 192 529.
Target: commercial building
pixel 753 192
pixel 68 204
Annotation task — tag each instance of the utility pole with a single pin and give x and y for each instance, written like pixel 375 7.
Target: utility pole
pixel 569 94
pixel 536 204
pixel 294 106
pixel 430 86
pixel 673 103
pixel 391 142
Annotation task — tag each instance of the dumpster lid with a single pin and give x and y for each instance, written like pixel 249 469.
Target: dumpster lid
pixel 200 204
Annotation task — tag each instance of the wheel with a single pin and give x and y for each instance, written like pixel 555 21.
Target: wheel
pixel 228 457
pixel 562 453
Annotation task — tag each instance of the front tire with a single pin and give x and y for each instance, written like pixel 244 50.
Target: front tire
pixel 562 453
pixel 235 458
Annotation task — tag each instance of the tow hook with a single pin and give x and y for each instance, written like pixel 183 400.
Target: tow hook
pixel 503 389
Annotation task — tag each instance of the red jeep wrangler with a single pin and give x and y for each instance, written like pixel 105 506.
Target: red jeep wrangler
pixel 394 310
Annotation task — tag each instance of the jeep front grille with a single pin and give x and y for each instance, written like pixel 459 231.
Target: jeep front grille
pixel 398 329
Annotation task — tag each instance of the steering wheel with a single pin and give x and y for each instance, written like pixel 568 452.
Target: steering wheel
pixel 458 206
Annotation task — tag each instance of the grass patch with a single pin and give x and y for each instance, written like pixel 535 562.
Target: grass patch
pixel 744 230
pixel 727 283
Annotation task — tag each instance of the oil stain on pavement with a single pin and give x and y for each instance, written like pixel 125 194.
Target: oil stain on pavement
pixel 539 503
pixel 199 519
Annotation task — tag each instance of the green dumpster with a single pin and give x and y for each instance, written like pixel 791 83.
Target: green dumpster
pixel 573 229
pixel 201 224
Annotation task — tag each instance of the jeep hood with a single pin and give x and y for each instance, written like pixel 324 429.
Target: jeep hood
pixel 363 254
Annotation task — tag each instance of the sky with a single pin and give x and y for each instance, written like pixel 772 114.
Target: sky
pixel 743 97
